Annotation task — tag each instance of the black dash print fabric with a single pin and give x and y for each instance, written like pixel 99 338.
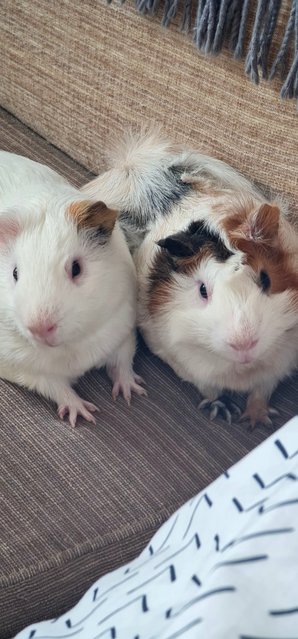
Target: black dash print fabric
pixel 225 566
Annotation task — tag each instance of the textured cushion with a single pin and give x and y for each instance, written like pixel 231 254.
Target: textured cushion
pixel 77 503
pixel 76 71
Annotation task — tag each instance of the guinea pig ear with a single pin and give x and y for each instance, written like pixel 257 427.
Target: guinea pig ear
pixel 259 227
pixel 265 223
pixel 9 227
pixel 177 245
pixel 93 216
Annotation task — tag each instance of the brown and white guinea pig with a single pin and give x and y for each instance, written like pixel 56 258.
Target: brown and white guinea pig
pixel 217 267
pixel 67 288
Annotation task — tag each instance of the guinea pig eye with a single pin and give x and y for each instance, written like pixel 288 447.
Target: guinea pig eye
pixel 264 280
pixel 203 291
pixel 75 269
pixel 15 274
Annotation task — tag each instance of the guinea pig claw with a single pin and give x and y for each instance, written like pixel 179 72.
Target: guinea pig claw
pixel 204 404
pixel 128 386
pixel 62 410
pixel 139 380
pixel 219 408
pixel 235 409
pixel 273 412
pixel 115 390
pixel 227 416
pixel 266 422
pixel 263 420
pixel 80 407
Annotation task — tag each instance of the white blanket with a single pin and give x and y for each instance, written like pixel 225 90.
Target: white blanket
pixel 225 565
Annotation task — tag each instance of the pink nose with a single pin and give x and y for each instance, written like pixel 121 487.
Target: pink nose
pixel 42 330
pixel 245 344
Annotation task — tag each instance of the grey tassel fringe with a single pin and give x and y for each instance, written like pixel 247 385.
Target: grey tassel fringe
pixel 220 22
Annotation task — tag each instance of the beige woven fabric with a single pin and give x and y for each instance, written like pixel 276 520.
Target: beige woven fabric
pixel 78 71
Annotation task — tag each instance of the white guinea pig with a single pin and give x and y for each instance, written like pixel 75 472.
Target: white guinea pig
pixel 217 267
pixel 67 288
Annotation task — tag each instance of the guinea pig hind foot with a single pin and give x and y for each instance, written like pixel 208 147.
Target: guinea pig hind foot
pixel 221 407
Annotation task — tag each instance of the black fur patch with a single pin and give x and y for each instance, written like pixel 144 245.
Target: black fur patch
pixel 97 236
pixel 176 189
pixel 178 249
pixel 188 243
pixel 155 202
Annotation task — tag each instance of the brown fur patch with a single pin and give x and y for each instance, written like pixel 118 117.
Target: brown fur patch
pixel 259 226
pixel 204 185
pixel 273 261
pixel 159 296
pixel 160 280
pixel 256 234
pixel 93 215
pixel 187 265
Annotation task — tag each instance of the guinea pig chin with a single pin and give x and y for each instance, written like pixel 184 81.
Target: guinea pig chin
pixel 50 342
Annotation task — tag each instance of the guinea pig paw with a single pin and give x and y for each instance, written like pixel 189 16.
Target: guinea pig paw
pixel 127 385
pixel 75 408
pixel 221 407
pixel 261 417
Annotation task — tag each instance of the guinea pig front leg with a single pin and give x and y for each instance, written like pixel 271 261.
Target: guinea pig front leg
pixel 68 401
pixel 120 371
pixel 257 409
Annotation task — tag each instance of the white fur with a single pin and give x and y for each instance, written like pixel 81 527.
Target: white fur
pixel 95 316
pixel 191 336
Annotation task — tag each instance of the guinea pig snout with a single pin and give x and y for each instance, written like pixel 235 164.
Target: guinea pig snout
pixel 242 346
pixel 43 330
pixel 244 343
